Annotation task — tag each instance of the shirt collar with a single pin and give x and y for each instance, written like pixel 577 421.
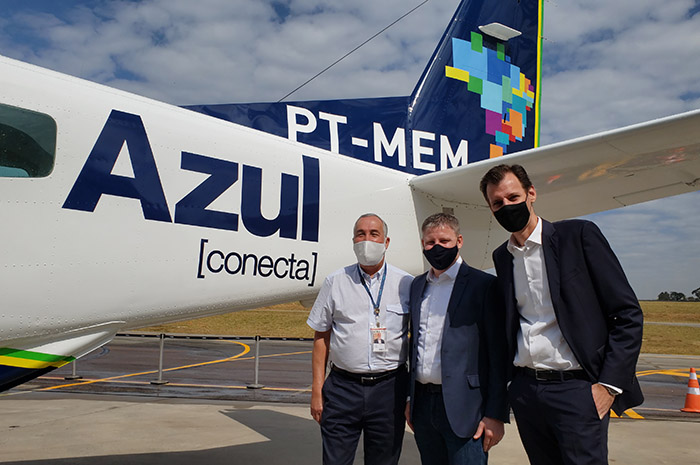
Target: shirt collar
pixel 450 273
pixel 367 277
pixel 535 238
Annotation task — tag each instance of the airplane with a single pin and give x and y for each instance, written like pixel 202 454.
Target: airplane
pixel 122 212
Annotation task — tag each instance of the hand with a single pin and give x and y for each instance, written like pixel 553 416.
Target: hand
pixel 602 398
pixel 493 431
pixel 316 406
pixel 408 415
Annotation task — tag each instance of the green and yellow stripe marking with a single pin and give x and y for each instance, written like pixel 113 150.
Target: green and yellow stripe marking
pixel 32 360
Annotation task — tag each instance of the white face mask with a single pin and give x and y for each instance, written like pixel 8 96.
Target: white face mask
pixel 369 253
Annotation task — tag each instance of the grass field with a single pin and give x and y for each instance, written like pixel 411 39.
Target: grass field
pixel 675 312
pixel 289 320
pixel 680 340
pixel 283 320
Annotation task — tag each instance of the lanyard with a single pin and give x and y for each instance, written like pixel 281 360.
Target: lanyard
pixel 379 297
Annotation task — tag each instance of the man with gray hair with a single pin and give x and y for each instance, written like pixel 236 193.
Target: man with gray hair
pixel 360 319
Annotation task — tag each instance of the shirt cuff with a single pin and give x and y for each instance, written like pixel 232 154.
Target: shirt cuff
pixel 614 388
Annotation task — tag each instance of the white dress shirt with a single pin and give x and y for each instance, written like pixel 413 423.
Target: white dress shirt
pixel 433 309
pixel 344 307
pixel 541 343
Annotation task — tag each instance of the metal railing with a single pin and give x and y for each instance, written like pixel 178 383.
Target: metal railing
pixel 163 336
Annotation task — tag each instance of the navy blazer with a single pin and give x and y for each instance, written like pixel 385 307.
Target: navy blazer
pixel 473 352
pixel 596 309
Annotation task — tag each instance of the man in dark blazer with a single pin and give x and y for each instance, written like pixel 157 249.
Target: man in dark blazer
pixel 573 326
pixel 458 400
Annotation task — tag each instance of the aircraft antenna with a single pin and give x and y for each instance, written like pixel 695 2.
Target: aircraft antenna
pixel 354 49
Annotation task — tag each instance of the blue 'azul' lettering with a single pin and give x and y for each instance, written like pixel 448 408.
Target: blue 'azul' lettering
pixel 312 196
pixel 192 209
pixel 96 179
pixel 254 221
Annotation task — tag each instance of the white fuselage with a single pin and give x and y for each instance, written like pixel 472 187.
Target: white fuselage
pixel 65 268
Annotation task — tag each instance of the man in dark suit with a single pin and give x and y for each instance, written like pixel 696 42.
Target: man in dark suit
pixel 458 398
pixel 573 326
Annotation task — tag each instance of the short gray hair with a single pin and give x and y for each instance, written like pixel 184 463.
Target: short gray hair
pixel 440 219
pixel 386 228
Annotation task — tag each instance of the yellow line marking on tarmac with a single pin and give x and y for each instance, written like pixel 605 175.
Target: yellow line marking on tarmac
pixel 218 386
pixel 632 414
pixel 228 359
pixel 281 355
pixel 264 388
pixel 671 372
pixel 246 349
pixel 629 412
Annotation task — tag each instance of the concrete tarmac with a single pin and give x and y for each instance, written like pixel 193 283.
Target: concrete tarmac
pixel 114 415
pixel 222 369
pixel 42 428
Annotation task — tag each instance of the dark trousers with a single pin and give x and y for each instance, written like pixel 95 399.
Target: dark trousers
pixel 350 408
pixel 558 421
pixel 437 443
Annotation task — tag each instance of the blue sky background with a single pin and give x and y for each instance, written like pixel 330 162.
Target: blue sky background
pixel 606 64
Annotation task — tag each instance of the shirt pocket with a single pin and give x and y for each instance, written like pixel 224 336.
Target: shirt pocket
pixel 396 319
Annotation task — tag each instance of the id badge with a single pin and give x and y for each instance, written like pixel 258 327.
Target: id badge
pixel 378 339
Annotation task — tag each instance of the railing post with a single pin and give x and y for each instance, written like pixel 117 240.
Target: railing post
pixel 160 380
pixel 75 375
pixel 256 384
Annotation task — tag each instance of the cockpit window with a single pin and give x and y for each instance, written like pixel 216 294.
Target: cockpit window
pixel 27 143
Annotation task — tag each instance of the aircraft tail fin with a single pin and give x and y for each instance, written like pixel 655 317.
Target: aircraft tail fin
pixel 476 99
pixel 482 82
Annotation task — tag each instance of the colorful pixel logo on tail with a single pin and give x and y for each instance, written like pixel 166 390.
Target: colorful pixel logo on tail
pixel 506 93
pixel 477 98
pixel 482 83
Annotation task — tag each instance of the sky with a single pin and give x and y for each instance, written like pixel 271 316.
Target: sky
pixel 606 64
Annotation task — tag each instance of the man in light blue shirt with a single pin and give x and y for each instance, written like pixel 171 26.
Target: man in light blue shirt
pixel 458 366
pixel 360 319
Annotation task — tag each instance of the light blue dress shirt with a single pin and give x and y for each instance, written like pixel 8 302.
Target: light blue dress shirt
pixel 344 307
pixel 433 309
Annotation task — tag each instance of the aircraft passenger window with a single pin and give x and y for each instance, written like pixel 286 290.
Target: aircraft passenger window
pixel 27 143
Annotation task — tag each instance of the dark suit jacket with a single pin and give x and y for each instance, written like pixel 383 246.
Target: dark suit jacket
pixel 473 350
pixel 595 306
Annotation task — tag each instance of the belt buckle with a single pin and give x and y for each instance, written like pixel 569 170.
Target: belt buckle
pixel 543 378
pixel 366 379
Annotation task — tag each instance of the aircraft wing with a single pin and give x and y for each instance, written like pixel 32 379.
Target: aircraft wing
pixel 646 161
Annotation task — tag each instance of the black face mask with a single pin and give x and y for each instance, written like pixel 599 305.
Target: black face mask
pixel 440 257
pixel 513 217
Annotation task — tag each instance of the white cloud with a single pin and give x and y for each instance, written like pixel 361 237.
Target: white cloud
pixel 606 64
pixel 224 51
pixel 658 243
pixel 611 64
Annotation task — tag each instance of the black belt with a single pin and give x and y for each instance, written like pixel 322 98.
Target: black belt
pixel 368 379
pixel 429 388
pixel 551 375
